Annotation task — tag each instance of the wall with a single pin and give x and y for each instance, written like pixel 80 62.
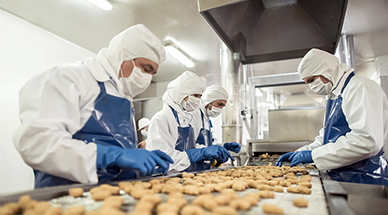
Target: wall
pixel 25 50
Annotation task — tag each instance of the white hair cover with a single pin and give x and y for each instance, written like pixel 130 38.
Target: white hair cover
pixel 186 84
pixel 134 42
pixel 213 93
pixel 317 62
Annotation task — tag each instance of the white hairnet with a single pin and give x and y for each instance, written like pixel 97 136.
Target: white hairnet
pixel 134 42
pixel 143 122
pixel 213 93
pixel 186 84
pixel 318 62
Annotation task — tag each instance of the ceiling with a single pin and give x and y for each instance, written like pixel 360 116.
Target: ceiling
pixel 180 22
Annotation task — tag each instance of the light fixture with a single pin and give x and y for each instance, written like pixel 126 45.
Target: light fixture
pixel 103 4
pixel 179 55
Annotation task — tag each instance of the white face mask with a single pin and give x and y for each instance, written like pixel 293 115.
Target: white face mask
pixel 214 112
pixel 136 83
pixel 191 104
pixel 321 88
pixel 144 132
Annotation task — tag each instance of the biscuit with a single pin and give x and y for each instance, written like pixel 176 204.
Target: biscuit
pixel 100 194
pixel 167 207
pixel 272 209
pixel 224 210
pixel 112 189
pixel 238 186
pixel 76 192
pixel 191 190
pixel 192 210
pixel 300 202
pixel 240 204
pixel 53 211
pixel 9 209
pixel 266 194
pixel 278 189
pixel 305 184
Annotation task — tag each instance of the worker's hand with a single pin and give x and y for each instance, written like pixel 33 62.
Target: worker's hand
pixel 283 158
pixel 209 153
pixel 301 157
pixel 141 159
pixel 233 146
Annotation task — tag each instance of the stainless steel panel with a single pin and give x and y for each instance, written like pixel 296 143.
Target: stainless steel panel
pixel 295 125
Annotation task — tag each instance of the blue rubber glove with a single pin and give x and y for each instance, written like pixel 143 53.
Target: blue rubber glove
pixel 233 146
pixel 209 153
pixel 283 158
pixel 301 157
pixel 141 159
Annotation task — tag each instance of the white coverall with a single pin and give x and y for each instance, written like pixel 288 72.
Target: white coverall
pixel 163 129
pixel 365 108
pixel 57 103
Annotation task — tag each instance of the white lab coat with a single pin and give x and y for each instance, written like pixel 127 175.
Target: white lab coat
pixel 163 134
pixel 366 110
pixel 163 129
pixel 55 105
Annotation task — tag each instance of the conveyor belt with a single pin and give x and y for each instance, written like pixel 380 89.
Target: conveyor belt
pixel 317 204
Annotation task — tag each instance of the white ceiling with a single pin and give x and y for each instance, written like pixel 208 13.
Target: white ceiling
pixel 179 20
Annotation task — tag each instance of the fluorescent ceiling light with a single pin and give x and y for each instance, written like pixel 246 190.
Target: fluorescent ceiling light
pixel 177 54
pixel 103 4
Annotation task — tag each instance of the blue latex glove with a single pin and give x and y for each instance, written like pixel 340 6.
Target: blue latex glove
pixel 141 159
pixel 283 158
pixel 233 146
pixel 209 153
pixel 301 157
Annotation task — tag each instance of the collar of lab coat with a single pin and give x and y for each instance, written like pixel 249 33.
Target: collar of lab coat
pixel 101 74
pixel 169 102
pixel 337 89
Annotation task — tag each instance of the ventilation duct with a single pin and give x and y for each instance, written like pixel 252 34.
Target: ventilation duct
pixel 270 30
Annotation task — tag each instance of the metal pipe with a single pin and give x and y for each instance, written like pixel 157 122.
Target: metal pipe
pixel 230 69
pixel 346 50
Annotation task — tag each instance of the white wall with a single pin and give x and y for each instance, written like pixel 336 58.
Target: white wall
pixel 25 50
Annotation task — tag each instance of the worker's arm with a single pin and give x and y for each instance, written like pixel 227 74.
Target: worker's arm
pixel 163 136
pixel 50 114
pixel 364 111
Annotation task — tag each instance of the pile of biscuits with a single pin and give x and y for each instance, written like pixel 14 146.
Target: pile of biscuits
pixel 216 193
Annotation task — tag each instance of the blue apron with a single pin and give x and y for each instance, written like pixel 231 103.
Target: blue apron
pixel 205 136
pixel 110 124
pixel 371 170
pixel 186 141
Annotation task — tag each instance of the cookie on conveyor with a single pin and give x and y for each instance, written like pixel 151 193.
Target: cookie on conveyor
pixel 300 202
pixel 76 192
pixel 272 209
pixel 224 210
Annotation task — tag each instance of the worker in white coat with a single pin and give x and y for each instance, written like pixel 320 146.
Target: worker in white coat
pixel 171 128
pixel 213 100
pixel 78 119
pixel 350 145
pixel 143 123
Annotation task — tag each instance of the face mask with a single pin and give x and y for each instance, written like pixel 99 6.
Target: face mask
pixel 214 112
pixel 136 83
pixel 321 88
pixel 191 104
pixel 144 132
